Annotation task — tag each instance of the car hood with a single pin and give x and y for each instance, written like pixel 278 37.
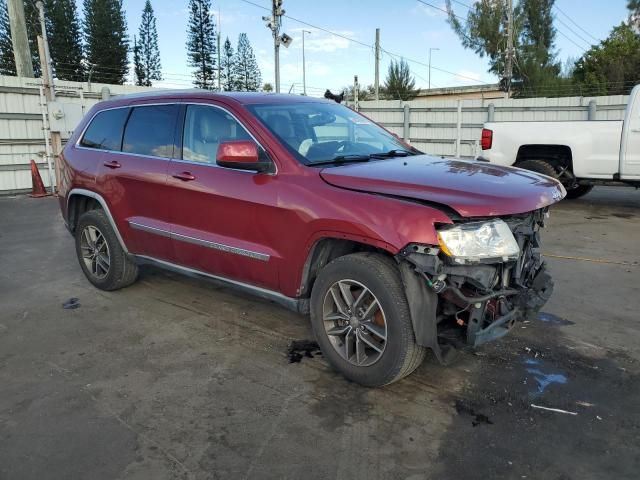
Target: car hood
pixel 471 188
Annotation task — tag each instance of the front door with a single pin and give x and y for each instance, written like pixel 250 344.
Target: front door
pixel 220 216
pixel 134 179
pixel 630 161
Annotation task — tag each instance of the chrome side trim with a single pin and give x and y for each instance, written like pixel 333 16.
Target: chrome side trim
pixel 295 304
pixel 147 228
pixel 100 200
pixel 205 243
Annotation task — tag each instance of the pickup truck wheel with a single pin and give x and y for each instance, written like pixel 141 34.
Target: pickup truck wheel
pixel 103 261
pixel 360 316
pixel 578 191
pixel 539 166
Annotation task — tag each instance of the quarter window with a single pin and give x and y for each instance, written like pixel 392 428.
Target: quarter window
pixel 150 131
pixel 105 130
pixel 205 128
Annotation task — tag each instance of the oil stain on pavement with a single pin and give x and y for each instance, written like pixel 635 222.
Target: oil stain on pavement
pixel 601 441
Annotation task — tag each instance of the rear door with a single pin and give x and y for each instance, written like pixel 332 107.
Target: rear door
pixel 630 148
pixel 134 179
pixel 219 215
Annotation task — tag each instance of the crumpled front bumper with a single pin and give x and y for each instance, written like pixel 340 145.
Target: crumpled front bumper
pixel 454 305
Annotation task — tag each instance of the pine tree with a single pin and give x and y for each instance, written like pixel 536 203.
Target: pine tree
pixel 248 75
pixel 201 43
pixel 399 84
pixel 7 62
pixel 149 53
pixel 227 67
pixel 107 45
pixel 65 39
pixel 138 67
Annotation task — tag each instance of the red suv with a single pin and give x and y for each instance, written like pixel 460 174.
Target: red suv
pixel 307 203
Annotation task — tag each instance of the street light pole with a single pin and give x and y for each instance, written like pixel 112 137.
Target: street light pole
pixel 430 50
pixel 304 68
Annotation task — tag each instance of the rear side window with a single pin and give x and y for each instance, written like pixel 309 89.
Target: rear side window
pixel 150 131
pixel 105 130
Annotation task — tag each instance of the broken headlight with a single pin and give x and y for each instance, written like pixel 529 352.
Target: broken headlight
pixel 475 241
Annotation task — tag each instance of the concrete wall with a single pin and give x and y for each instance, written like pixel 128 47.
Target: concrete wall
pixel 453 127
pixel 22 129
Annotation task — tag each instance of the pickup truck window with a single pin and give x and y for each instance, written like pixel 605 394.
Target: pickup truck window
pixel 150 130
pixel 105 130
pixel 324 132
pixel 205 128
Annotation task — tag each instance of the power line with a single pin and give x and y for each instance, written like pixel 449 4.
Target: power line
pixel 576 24
pixel 573 31
pixel 443 10
pixel 571 40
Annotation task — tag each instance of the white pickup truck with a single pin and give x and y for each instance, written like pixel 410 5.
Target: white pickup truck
pixel 580 154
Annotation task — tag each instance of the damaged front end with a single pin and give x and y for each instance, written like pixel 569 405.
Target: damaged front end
pixel 483 277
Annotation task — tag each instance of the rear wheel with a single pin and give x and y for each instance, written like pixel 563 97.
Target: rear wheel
pixel 539 166
pixel 103 261
pixel 578 191
pixel 361 319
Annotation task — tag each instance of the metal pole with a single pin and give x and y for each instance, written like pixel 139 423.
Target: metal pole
pixel 355 93
pixel 19 38
pixel 430 50
pixel 377 80
pixel 509 60
pixel 219 64
pixel 304 68
pixel 46 63
pixel 47 144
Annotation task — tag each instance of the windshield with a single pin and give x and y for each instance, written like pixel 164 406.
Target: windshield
pixel 321 133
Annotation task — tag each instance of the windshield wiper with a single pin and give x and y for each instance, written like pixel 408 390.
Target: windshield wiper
pixel 344 159
pixel 392 153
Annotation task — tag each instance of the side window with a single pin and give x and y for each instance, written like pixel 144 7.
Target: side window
pixel 150 130
pixel 105 130
pixel 205 128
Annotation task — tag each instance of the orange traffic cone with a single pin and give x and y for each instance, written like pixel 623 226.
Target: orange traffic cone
pixel 38 189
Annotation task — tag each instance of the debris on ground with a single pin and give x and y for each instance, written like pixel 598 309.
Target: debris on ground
pixel 302 348
pixel 478 418
pixel 557 410
pixel 71 304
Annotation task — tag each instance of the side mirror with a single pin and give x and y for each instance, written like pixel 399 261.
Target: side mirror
pixel 242 155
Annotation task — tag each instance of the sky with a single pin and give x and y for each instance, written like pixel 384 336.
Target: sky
pixel 408 28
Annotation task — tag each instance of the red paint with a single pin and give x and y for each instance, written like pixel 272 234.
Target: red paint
pixel 282 214
pixel 239 151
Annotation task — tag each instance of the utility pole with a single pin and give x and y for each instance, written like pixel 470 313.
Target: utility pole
pixel 276 14
pixel 19 38
pixel 49 90
pixel 304 68
pixel 356 106
pixel 219 64
pixel 430 50
pixel 377 80
pixel 509 60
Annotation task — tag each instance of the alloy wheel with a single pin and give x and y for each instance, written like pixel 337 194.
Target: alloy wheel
pixel 355 322
pixel 95 252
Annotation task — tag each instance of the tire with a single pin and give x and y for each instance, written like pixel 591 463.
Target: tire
pixel 578 191
pixel 539 166
pixel 379 275
pixel 119 271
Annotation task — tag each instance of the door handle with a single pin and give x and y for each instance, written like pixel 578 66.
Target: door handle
pixel 184 176
pixel 635 130
pixel 112 164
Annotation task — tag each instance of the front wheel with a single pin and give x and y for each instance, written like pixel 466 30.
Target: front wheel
pixel 361 319
pixel 103 261
pixel 578 191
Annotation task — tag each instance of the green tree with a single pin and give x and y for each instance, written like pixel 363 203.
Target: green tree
pixel 227 68
pixel 485 32
pixel 399 83
pixel 248 76
pixel 267 87
pixel 138 67
pixel 107 45
pixel 149 53
pixel 65 39
pixel 201 43
pixel 7 62
pixel 634 14
pixel 611 67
